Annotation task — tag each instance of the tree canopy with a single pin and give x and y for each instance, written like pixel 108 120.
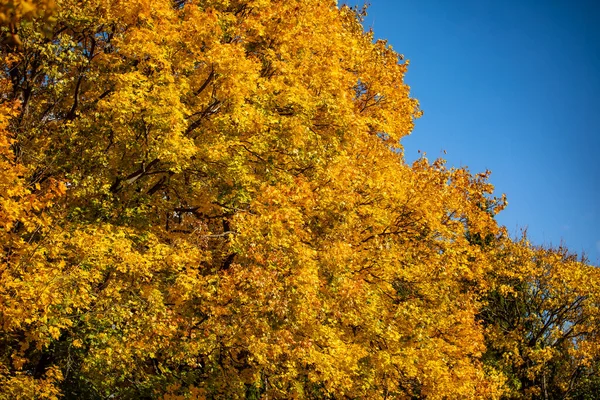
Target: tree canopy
pixel 208 199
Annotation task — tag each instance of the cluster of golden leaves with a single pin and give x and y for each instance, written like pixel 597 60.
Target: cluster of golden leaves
pixel 207 198
pixel 541 318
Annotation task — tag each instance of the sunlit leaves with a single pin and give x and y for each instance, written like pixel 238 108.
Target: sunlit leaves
pixel 541 320
pixel 208 199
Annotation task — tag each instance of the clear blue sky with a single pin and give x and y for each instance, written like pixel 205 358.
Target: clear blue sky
pixel 512 86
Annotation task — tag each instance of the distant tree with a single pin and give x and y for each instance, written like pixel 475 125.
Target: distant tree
pixel 541 321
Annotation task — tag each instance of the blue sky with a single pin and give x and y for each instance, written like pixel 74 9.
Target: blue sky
pixel 514 87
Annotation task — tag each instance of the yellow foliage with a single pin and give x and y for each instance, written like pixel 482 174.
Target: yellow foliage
pixel 208 199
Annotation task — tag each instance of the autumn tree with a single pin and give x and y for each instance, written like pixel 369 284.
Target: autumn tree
pixel 207 199
pixel 541 320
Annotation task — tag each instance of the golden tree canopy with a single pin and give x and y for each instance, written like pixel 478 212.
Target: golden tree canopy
pixel 207 199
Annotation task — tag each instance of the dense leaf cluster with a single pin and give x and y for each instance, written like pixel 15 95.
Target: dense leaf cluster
pixel 208 199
